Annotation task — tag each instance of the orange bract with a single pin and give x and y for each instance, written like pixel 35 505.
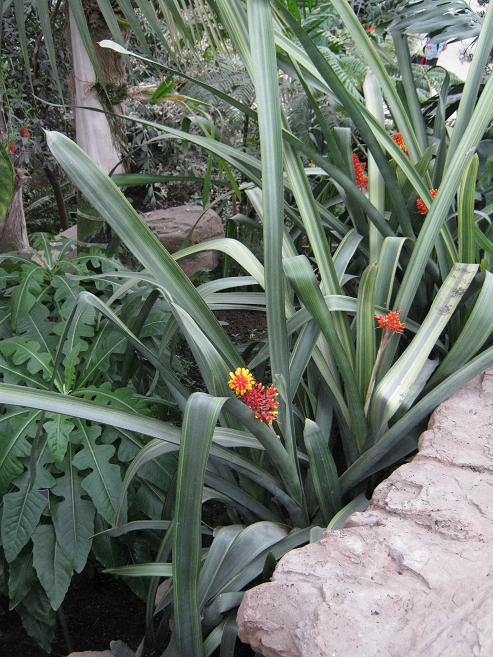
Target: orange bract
pixel 240 380
pixel 262 401
pixel 391 322
pixel 399 140
pixel 421 206
pixel 359 172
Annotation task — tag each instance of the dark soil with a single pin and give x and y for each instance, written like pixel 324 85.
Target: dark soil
pixel 243 326
pixel 97 610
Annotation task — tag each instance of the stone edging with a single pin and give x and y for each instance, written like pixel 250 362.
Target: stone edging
pixel 410 577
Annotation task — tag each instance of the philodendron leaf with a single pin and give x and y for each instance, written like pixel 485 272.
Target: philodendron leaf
pixel 73 516
pixel 7 186
pixel 26 294
pixel 58 429
pixel 38 618
pixel 21 513
pixel 21 578
pixel 14 446
pixel 52 565
pixel 104 483
pixel 27 352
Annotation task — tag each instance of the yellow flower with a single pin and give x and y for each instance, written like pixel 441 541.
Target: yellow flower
pixel 240 381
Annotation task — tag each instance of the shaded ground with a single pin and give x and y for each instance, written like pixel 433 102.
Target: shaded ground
pixel 97 610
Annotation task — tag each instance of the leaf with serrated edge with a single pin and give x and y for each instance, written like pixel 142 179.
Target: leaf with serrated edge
pixel 104 483
pixel 21 513
pixel 73 516
pixel 58 429
pixel 52 565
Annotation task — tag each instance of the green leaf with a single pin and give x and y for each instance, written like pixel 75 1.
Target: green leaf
pixel 26 352
pixel 21 578
pixel 365 329
pixel 21 514
pixel 466 220
pixel 110 203
pixel 73 516
pixel 368 461
pixel 265 77
pixel 38 617
pixel 26 294
pixel 301 276
pixel 359 503
pixel 477 330
pixel 104 483
pixel 200 418
pixel 43 9
pixel 7 178
pixel 394 387
pixel 144 570
pixel 387 267
pixel 52 565
pixel 14 445
pixel 323 471
pixel 58 429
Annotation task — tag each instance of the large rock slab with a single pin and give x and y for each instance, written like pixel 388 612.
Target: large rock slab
pixel 177 227
pixel 410 577
pixel 187 224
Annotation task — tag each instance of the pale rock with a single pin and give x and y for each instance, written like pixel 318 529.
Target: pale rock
pixel 410 577
pixel 187 224
pixel 176 227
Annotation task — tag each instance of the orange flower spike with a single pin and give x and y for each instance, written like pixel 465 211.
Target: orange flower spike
pixel 421 206
pixel 271 405
pixel 263 402
pixel 359 172
pixel 240 381
pixel 391 322
pixel 399 140
pixel 24 133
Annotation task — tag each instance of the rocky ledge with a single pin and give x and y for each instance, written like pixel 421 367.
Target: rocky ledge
pixel 410 577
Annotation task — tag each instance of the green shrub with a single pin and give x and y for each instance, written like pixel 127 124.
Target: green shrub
pixel 61 477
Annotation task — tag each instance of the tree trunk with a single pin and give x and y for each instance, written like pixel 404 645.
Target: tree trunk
pixel 92 129
pixel 102 138
pixel 13 231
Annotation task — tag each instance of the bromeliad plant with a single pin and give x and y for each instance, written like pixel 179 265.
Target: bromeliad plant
pixel 347 408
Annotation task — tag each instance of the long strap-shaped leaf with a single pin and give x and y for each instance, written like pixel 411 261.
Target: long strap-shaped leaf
pixel 265 76
pixel 307 207
pixel 437 215
pixel 396 384
pixel 301 276
pixel 370 56
pixel 352 106
pixel 108 200
pixel 323 471
pixel 477 330
pixel 201 414
pixel 367 463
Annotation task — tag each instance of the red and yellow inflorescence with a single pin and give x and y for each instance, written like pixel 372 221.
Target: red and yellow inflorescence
pixel 240 381
pixel 421 206
pixel 391 322
pixel 359 172
pixel 260 399
pixel 399 140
